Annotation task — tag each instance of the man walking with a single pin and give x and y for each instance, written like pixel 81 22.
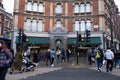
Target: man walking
pixel 52 56
pixel 99 57
pixel 109 56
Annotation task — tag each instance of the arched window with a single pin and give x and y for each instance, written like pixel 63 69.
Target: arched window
pixel 82 8
pixel 58 23
pixel 82 26
pixel 28 25
pixel 77 25
pixel 76 8
pixel 34 25
pixel 40 25
pixel 35 6
pixel 88 24
pixel 88 7
pixel 41 7
pixel 58 8
pixel 29 6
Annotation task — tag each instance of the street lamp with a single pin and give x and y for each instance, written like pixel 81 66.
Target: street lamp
pixel 112 9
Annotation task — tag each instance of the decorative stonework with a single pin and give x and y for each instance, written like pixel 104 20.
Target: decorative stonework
pixel 58 30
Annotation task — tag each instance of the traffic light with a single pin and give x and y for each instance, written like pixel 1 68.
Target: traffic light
pixel 24 38
pixel 87 35
pixel 81 39
pixel 20 35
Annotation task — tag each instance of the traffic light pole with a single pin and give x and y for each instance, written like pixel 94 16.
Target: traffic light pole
pixel 77 48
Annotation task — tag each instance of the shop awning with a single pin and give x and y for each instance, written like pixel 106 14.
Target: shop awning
pixel 36 40
pixel 93 40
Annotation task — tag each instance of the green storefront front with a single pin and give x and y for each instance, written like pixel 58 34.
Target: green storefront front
pixel 37 44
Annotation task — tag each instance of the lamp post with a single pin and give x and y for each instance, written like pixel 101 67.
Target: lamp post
pixel 113 11
pixel 111 29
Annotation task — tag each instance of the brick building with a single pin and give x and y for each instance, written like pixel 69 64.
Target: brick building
pixel 6 25
pixel 54 23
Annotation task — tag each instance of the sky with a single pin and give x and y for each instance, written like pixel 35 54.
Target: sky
pixel 9 5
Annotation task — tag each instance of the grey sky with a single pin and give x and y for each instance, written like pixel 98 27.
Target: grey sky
pixel 9 5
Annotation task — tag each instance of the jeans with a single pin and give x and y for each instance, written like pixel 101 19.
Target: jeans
pixel 3 72
pixel 99 63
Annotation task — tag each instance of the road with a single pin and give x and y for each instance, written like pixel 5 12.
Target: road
pixel 74 74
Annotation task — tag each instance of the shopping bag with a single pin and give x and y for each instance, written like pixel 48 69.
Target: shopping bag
pixel 104 62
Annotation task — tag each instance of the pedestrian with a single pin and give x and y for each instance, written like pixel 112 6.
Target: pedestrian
pixel 89 55
pixel 6 58
pixel 99 58
pixel 58 52
pixel 68 52
pixel 52 57
pixel 109 56
pixel 12 51
pixel 28 52
pixel 63 55
pixel 47 57
pixel 35 58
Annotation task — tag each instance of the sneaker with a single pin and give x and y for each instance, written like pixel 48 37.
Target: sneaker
pixel 99 70
pixel 52 65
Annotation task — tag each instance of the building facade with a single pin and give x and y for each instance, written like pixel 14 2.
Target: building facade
pixel 55 23
pixel 6 25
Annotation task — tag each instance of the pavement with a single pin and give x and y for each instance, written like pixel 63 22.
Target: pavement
pixel 43 69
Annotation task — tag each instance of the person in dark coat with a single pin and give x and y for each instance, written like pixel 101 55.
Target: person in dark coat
pixel 47 57
pixel 35 58
pixel 6 58
pixel 68 52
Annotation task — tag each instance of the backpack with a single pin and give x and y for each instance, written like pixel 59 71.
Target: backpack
pixel 97 54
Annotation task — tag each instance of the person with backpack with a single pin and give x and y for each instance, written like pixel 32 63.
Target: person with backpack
pixel 6 58
pixel 99 58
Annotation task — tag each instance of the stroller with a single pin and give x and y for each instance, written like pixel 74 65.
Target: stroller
pixel 27 65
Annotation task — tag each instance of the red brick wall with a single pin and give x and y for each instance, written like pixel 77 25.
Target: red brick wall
pixel 70 20
pixel 21 17
pixel 47 13
pixel 95 12
pixel 3 23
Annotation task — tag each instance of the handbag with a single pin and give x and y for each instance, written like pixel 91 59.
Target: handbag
pixel 104 62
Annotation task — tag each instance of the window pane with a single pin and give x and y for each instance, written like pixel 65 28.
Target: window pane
pixel 34 6
pixel 82 8
pixel 40 25
pixel 29 6
pixel 58 24
pixel 82 26
pixel 28 24
pixel 34 25
pixel 77 26
pixel 41 7
pixel 76 9
pixel 58 8
pixel 88 24
pixel 88 9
